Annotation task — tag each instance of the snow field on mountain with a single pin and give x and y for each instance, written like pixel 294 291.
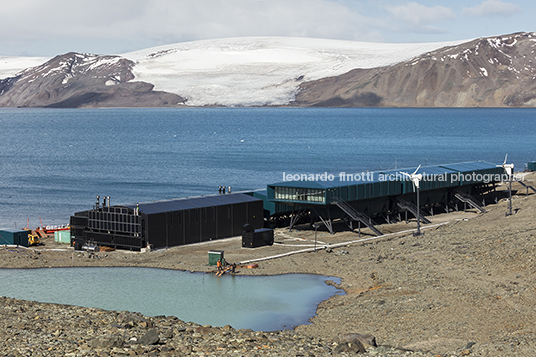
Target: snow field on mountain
pixel 254 71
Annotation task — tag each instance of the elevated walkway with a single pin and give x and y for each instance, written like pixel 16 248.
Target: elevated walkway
pixel 356 216
pixel 413 209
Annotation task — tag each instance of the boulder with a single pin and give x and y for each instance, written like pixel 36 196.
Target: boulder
pixel 150 338
pixel 350 347
pixel 366 340
pixel 107 341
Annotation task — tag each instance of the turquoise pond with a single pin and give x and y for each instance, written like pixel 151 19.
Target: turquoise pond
pixel 263 303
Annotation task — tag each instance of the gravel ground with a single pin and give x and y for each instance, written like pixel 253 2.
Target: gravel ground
pixel 465 287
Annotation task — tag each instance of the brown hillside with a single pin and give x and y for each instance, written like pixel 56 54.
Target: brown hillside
pixel 489 72
pixel 77 80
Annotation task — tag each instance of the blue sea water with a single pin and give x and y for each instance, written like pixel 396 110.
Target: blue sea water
pixel 55 161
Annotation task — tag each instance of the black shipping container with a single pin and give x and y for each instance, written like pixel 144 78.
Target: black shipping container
pixel 257 238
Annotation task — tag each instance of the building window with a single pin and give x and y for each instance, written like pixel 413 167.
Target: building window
pixel 299 194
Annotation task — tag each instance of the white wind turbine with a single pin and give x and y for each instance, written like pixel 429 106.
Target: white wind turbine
pixel 509 169
pixel 416 179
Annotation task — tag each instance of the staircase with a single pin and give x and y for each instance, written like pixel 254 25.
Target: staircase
pixel 525 185
pixel 413 209
pixel 356 216
pixel 469 200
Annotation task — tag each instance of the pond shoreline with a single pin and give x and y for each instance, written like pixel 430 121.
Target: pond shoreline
pixel 261 303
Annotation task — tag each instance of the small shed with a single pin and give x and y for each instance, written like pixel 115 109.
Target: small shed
pixel 14 237
pixel 62 236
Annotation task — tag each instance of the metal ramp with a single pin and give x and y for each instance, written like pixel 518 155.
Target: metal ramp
pixel 356 216
pixel 528 187
pixel 413 209
pixel 470 200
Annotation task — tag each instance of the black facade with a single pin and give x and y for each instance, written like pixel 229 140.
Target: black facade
pixel 168 223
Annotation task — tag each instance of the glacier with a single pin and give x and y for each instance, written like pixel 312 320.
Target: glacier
pixel 259 71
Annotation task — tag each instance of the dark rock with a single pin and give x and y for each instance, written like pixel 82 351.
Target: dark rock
pixel 133 319
pixel 469 345
pixel 366 340
pixel 108 341
pixel 150 338
pixel 353 347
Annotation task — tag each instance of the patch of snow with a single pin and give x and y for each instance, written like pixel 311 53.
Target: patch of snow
pixel 52 70
pixel 484 71
pixel 66 79
pixel 260 70
pixel 99 61
pixel 11 66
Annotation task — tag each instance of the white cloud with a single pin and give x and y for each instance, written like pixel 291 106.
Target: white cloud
pixel 155 22
pixel 50 27
pixel 416 14
pixel 414 17
pixel 493 7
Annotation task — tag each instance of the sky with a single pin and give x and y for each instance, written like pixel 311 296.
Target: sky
pixel 51 27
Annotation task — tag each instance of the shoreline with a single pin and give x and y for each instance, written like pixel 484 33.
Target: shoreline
pixel 463 288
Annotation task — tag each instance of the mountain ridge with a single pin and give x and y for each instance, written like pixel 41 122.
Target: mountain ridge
pixel 76 80
pixel 497 71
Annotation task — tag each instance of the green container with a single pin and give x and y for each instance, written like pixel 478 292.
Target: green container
pixel 9 237
pixel 214 256
pixel 62 237
pixel 14 237
pixel 531 166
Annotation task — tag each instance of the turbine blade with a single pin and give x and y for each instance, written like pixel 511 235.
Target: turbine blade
pixel 416 170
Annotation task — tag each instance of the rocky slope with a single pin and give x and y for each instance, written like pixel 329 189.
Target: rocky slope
pixel 488 72
pixel 77 80
pixel 36 329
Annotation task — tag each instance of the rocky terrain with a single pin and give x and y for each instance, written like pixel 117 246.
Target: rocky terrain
pixel 77 80
pixel 488 72
pixel 464 288
pixel 34 329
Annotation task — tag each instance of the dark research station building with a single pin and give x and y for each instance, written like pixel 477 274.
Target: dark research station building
pixel 167 223
pixel 381 195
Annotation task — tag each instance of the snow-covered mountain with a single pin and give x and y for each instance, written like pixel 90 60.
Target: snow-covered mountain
pixel 497 71
pixel 81 80
pixel 251 71
pixel 257 71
